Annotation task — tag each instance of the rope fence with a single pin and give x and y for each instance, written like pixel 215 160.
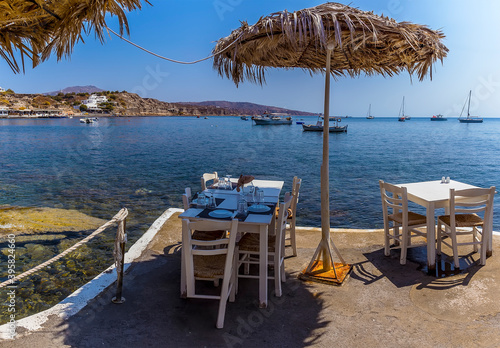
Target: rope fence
pixel 120 240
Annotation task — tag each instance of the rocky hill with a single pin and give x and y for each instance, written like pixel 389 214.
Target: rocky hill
pixel 131 104
pixel 76 89
pixel 251 109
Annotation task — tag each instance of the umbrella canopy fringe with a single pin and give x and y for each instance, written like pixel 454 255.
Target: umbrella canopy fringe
pixel 364 43
pixel 35 29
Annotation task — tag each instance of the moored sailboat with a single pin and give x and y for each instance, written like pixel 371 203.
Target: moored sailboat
pixel 469 118
pixel 402 117
pixel 369 114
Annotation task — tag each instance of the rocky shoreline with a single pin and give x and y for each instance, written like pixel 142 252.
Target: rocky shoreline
pixel 123 104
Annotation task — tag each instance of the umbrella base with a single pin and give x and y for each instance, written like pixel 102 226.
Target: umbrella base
pixel 317 273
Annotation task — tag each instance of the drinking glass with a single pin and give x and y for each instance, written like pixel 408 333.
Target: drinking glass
pixel 251 193
pixel 201 201
pixel 242 206
pixel 211 201
pixel 259 196
pixel 228 182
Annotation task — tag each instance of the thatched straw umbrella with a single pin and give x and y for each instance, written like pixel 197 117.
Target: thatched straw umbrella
pixel 334 39
pixel 35 28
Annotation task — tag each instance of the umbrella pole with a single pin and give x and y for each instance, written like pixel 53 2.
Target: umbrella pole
pixel 325 171
pixel 326 271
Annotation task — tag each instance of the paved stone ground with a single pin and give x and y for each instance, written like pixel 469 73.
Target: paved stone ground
pixel 382 304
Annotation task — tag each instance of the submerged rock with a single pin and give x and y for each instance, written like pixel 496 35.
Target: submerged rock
pixel 28 220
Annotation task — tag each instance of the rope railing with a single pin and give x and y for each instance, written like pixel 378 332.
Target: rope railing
pixel 118 218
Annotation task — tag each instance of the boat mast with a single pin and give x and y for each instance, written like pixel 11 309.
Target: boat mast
pixel 468 107
pixel 403 107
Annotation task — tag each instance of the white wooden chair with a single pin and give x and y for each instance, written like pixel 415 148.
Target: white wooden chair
pixel 463 219
pixel 186 198
pixel 247 251
pixel 400 224
pixel 210 260
pixel 292 213
pixel 208 177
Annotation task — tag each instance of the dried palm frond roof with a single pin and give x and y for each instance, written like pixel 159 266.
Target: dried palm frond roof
pixel 35 28
pixel 363 43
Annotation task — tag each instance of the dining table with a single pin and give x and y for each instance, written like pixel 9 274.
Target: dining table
pixel 433 195
pixel 260 222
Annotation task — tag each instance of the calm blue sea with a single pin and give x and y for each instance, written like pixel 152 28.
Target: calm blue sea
pixel 145 163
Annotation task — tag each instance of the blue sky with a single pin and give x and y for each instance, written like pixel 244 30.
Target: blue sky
pixel 186 30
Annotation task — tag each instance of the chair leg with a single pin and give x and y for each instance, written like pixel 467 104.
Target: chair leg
pixel 293 240
pixel 438 239
pixel 277 278
pixel 233 283
pixel 474 238
pixel 222 304
pixel 387 241
pixel 183 276
pixel 454 242
pixel 484 243
pixel 404 246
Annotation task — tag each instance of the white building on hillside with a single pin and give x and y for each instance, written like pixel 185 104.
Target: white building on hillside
pixel 2 89
pixel 94 100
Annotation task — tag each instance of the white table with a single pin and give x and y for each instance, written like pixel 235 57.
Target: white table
pixel 254 223
pixel 433 195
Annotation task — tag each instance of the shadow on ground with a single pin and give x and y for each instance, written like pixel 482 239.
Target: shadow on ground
pixel 154 314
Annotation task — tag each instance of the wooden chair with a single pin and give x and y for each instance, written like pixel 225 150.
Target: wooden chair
pixel 463 219
pixel 207 177
pixel 247 250
pixel 292 213
pixel 400 224
pixel 186 198
pixel 210 260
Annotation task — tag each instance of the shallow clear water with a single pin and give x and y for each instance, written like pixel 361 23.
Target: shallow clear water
pixel 144 164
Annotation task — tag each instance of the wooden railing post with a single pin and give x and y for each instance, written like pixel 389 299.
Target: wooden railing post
pixel 121 240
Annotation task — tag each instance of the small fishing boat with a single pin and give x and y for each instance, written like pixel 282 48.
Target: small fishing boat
pixel 299 122
pixel 469 118
pixel 438 118
pixel 272 119
pixel 244 118
pixel 88 120
pixel 318 127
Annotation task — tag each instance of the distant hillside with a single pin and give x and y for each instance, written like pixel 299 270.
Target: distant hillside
pixel 76 89
pixel 244 108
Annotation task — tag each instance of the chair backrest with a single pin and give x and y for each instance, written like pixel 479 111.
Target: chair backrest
pixel 186 198
pixel 394 201
pixel 281 224
pixel 471 201
pixel 193 247
pixel 295 194
pixel 207 177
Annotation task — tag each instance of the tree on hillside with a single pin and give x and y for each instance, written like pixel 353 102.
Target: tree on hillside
pixel 35 29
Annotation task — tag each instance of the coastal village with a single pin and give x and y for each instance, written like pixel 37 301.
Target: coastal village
pixel 115 103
